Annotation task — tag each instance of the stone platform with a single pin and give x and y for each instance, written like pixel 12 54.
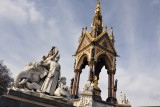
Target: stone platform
pixel 20 99
pixel 89 100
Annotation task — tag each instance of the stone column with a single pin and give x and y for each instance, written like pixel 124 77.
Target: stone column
pixel 111 95
pixel 91 71
pixel 77 83
pixel 115 88
pixel 89 74
pixel 112 85
pixel 115 94
pixel 74 85
pixel 109 88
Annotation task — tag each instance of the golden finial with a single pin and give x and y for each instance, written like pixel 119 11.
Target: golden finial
pixel 82 29
pixel 86 28
pixel 98 7
pixel 81 35
pixel 105 28
pixel 111 31
pixel 112 36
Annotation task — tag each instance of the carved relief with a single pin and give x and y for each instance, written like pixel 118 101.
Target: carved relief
pixel 80 60
pixel 105 44
pixel 88 50
pixel 86 101
pixel 97 50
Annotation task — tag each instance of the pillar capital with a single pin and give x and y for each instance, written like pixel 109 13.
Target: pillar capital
pixel 111 71
pixel 77 70
pixel 92 63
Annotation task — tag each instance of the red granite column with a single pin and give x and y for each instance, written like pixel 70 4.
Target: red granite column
pixel 114 94
pixel 74 84
pixel 91 71
pixel 110 86
pixel 115 89
pixel 77 83
pixel 89 74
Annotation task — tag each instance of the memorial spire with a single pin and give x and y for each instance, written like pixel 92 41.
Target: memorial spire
pixel 97 25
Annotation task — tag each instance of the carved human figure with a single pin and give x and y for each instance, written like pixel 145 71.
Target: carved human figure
pixel 51 81
pixel 89 86
pixel 96 83
pixel 121 98
pixel 62 89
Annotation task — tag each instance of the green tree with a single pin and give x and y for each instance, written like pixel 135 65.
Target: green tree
pixel 5 78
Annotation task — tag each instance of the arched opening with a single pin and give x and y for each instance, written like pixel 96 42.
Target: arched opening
pixel 103 83
pixel 95 68
pixel 83 61
pixel 84 68
pixel 83 78
pixel 103 64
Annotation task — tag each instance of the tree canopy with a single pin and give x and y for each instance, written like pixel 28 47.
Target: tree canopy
pixel 5 78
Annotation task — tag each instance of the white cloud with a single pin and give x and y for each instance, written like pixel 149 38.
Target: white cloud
pixel 30 35
pixel 35 16
pixel 11 11
pixel 19 11
pixel 141 88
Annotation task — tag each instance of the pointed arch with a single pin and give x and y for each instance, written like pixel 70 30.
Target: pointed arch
pixel 102 60
pixel 82 62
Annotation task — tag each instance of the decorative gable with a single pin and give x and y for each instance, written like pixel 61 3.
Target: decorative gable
pixel 103 41
pixel 84 42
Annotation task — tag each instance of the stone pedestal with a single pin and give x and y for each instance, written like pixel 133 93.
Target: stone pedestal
pixel 97 94
pixel 111 100
pixel 20 99
pixel 88 100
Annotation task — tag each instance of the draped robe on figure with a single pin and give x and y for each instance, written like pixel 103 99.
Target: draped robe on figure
pixel 51 81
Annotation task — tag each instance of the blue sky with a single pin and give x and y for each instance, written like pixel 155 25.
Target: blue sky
pixel 29 28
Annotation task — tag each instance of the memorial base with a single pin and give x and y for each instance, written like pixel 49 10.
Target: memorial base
pixel 20 99
pixel 97 95
pixel 89 100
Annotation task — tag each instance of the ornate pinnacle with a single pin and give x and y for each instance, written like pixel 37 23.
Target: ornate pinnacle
pixel 86 28
pixel 82 31
pixel 81 35
pixel 105 28
pixel 97 25
pixel 111 31
pixel 98 7
pixel 112 36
